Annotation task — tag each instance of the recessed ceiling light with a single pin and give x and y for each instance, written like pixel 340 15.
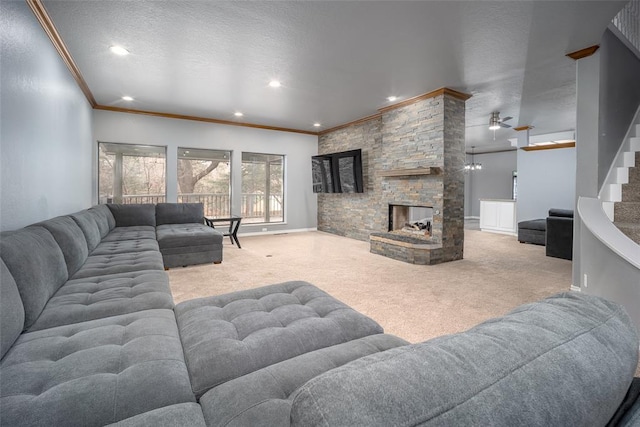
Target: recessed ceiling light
pixel 317 125
pixel 119 50
pixel 275 83
pixel 391 98
pixel 127 98
pixel 238 114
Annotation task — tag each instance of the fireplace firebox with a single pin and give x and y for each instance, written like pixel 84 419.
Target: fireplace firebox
pixel 414 221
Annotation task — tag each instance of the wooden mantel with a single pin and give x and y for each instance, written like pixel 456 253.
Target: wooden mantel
pixel 411 172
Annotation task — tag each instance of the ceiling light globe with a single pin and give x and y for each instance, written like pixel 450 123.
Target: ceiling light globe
pixel 275 83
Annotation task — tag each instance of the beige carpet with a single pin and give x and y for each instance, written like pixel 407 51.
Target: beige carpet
pixel 410 301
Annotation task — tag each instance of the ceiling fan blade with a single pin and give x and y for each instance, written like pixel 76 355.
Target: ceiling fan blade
pixel 506 118
pixel 504 125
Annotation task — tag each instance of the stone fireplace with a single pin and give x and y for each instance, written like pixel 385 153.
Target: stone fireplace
pixel 413 160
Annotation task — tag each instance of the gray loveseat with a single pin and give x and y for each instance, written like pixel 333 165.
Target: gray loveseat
pixel 90 336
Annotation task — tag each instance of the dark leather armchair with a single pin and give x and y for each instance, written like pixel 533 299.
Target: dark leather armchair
pixel 559 239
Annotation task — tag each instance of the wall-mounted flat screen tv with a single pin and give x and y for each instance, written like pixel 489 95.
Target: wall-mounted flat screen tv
pixel 338 172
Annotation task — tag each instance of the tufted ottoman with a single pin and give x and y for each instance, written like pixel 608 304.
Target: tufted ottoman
pixel 227 336
pixel 188 244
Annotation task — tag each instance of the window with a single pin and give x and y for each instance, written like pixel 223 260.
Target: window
pixel 204 176
pixel 130 173
pixel 262 188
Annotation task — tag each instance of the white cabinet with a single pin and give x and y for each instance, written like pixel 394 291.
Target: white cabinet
pixel 498 216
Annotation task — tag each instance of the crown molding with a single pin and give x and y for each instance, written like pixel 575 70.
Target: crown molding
pixel 353 123
pixel 410 101
pixel 47 24
pixel 583 53
pixel 549 147
pixel 200 119
pixel 432 94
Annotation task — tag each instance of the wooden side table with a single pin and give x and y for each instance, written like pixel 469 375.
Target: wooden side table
pixel 234 224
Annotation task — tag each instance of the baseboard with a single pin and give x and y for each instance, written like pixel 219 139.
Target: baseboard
pixel 472 217
pixel 263 233
pixel 576 288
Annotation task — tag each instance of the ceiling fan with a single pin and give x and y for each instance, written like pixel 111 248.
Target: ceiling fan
pixel 495 122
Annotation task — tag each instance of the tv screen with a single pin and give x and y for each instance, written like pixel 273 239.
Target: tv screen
pixel 338 172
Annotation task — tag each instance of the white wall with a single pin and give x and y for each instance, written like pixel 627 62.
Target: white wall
pixel 300 201
pixel 493 181
pixel 546 179
pixel 45 135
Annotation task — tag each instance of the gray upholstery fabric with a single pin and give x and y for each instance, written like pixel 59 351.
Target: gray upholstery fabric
pixel 194 256
pixel 104 218
pixel 37 265
pixel 87 223
pixel 98 265
pixel 125 246
pixel 134 214
pixel 179 213
pixel 103 296
pixel 181 415
pixel 94 373
pixel 231 335
pixel 11 310
pixel 71 240
pixel 106 212
pixel 632 417
pixel 564 361
pixel 136 232
pixel 261 398
pixel 188 244
pixel 181 235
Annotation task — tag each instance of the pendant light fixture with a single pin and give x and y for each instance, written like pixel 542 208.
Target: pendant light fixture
pixel 473 166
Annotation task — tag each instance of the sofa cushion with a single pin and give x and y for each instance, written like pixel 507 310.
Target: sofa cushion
pixel 186 235
pixel 136 232
pixel 179 213
pixel 564 361
pixel 92 298
pixel 37 265
pixel 94 373
pixel 125 246
pixel 11 310
pixel 180 415
pixel 133 214
pixel 533 224
pixel 71 240
pixel 87 223
pixel 231 335
pixel 100 265
pixel 104 218
pixel 262 397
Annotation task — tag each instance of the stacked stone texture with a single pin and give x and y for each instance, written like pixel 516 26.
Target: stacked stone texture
pixel 427 133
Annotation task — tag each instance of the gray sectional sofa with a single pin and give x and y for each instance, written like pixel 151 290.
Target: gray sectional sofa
pixel 89 336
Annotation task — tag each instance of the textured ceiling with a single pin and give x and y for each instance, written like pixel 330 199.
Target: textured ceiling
pixel 338 61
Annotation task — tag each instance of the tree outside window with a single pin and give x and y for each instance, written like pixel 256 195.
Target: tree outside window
pixel 262 188
pixel 129 173
pixel 204 176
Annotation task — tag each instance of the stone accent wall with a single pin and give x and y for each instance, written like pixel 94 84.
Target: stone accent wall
pixel 427 133
pixel 354 215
